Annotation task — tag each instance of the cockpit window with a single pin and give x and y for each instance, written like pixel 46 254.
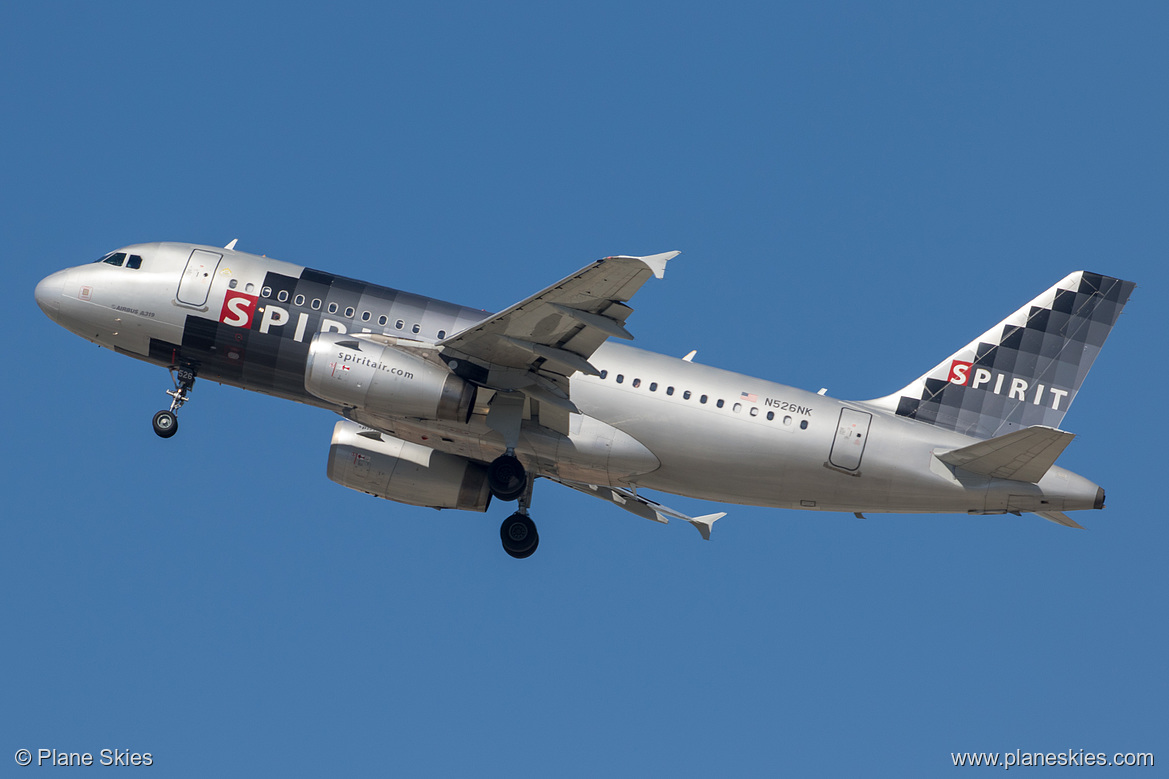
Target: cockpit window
pixel 117 258
pixel 135 262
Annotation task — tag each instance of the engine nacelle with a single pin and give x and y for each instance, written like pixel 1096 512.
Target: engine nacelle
pixel 404 472
pixel 384 379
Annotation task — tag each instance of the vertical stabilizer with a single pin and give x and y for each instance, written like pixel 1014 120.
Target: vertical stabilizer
pixel 1024 371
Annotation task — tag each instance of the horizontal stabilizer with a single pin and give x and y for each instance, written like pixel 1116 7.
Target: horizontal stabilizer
pixel 1059 518
pixel 1024 455
pixel 644 507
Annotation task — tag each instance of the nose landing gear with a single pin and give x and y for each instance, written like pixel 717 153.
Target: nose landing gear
pixel 166 422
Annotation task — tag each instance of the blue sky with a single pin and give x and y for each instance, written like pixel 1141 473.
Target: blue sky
pixel 858 191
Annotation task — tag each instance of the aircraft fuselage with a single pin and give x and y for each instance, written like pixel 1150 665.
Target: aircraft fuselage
pixel 648 420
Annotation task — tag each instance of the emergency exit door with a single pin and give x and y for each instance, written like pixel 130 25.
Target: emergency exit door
pixel 851 434
pixel 197 278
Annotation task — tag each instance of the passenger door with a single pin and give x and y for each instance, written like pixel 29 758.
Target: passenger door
pixel 196 281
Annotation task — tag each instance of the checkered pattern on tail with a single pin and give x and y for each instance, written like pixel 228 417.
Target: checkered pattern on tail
pixel 1024 371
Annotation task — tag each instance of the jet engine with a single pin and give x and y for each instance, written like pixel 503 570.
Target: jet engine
pixel 390 468
pixel 384 379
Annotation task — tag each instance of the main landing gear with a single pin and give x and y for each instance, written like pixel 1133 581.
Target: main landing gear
pixel 509 481
pixel 519 536
pixel 166 422
pixel 506 477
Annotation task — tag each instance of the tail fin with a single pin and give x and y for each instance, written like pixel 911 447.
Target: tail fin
pixel 1024 371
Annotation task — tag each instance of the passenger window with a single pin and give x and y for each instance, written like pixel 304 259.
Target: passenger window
pixel 787 421
pixel 416 329
pixel 365 315
pixel 669 390
pixel 702 399
pixel 604 374
pixel 299 300
pixel 249 287
pixel 282 296
pixel 803 424
pixel 135 262
pixel 399 324
pixel 232 284
pixel 754 411
pixel 653 386
pixel 770 415
pixel 686 395
pixel 381 320
pixel 349 312
pixel 737 408
pixel 720 403
pixel 620 377
pixel 332 308
pixel 637 383
pixel 441 334
pixel 316 304
pixel 266 292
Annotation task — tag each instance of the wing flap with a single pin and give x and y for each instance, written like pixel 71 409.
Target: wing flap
pixel 603 323
pixel 1024 455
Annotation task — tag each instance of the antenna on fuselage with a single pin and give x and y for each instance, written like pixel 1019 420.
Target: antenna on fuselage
pixel 232 244
pixel 690 357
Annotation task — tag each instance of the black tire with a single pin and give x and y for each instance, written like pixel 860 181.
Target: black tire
pixel 506 477
pixel 527 554
pixel 166 424
pixel 519 536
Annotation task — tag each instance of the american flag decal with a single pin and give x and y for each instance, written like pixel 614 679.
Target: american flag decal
pixel 749 397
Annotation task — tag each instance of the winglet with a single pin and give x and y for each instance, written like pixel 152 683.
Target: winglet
pixel 232 244
pixel 655 262
pixel 704 523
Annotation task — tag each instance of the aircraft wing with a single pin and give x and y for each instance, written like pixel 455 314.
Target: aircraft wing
pixel 1059 518
pixel 643 507
pixel 535 345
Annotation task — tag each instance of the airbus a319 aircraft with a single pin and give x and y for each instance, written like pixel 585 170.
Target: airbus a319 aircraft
pixel 447 406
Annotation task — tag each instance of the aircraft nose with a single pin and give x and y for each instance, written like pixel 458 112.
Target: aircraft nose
pixel 48 294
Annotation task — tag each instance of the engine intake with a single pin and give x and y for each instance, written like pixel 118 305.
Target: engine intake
pixel 401 471
pixel 384 379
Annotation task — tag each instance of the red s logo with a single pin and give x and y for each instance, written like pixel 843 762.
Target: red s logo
pixel 959 372
pixel 238 309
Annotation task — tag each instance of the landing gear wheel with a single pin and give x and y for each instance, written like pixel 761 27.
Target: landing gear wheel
pixel 506 477
pixel 519 536
pixel 527 554
pixel 166 424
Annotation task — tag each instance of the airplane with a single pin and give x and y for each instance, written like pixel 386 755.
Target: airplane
pixel 448 407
